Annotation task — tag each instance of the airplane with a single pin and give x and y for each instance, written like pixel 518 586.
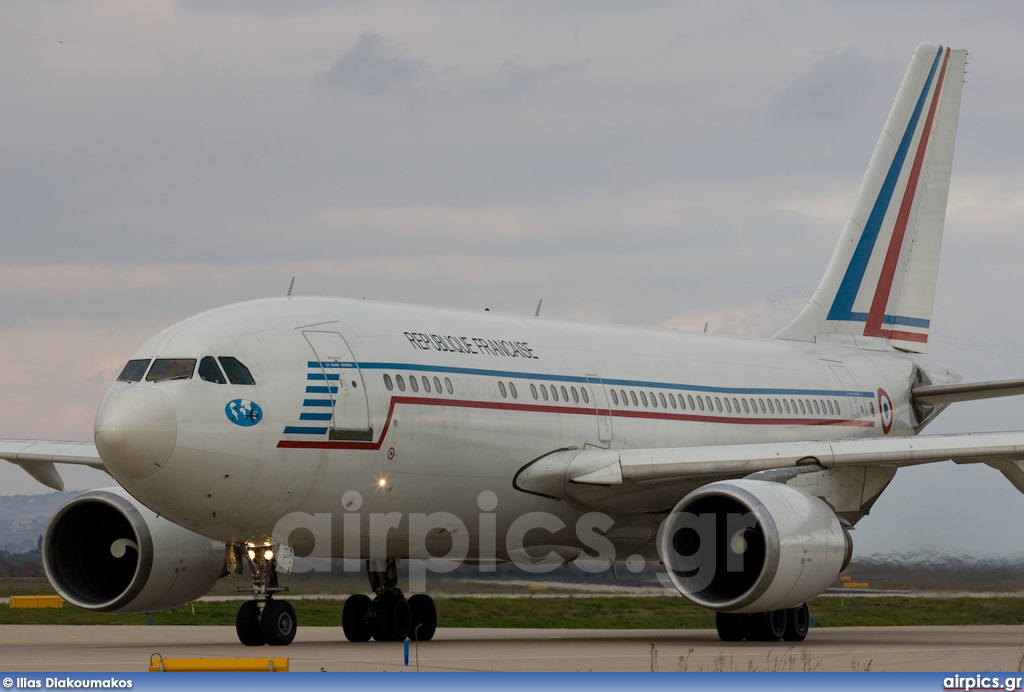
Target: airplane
pixel 379 432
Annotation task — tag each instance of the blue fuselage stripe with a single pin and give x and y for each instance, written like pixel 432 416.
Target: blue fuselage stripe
pixel 513 375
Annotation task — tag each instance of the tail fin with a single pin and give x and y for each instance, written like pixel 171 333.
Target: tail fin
pixel 881 279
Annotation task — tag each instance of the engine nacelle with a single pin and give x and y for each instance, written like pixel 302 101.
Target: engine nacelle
pixel 751 546
pixel 103 551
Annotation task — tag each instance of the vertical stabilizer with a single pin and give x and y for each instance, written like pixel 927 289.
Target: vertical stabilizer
pixel 881 279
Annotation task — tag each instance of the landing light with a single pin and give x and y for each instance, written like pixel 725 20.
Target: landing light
pixel 268 554
pixel 252 554
pixel 382 482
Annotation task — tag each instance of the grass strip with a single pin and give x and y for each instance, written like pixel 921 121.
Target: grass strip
pixel 573 613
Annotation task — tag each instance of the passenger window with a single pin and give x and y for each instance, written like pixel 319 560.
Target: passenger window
pixel 718 404
pixel 512 388
pixel 426 384
pixel 437 385
pixel 586 397
pixel 554 392
pixel 785 402
pixel 817 409
pixel 771 407
pixel 575 396
pixel 413 384
pixel 237 373
pixel 761 402
pixel 544 391
pixel 672 400
pixel 501 388
pixel 533 390
pixel 802 409
pixel 448 386
pixel 134 370
pixel 625 399
pixel 615 397
pixel 388 384
pixel 209 371
pixel 643 398
pixel 701 403
pixel 565 394
pixel 746 409
pixel 171 369
pixel 632 396
pixel 689 398
pixel 401 383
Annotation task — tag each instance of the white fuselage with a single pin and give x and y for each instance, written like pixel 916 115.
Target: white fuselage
pixel 403 419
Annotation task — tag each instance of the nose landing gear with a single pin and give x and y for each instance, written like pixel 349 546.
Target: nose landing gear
pixel 389 616
pixel 266 620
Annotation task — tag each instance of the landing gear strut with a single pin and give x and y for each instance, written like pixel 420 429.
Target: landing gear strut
pixel 790 624
pixel 265 620
pixel 389 617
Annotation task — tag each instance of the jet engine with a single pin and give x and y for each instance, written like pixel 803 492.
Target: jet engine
pixel 751 546
pixel 103 551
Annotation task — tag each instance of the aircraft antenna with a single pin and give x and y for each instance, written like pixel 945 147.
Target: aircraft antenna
pixel 539 303
pixel 290 287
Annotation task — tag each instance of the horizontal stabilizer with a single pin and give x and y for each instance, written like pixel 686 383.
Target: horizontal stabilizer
pixel 940 394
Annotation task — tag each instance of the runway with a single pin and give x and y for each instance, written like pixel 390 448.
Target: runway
pixel 39 648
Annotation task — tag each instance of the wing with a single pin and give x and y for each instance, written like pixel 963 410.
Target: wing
pixel 38 457
pixel 654 479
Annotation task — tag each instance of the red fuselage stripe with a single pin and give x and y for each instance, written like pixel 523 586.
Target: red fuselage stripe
pixel 563 410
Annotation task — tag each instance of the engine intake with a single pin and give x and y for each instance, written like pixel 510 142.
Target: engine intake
pixel 752 546
pixel 105 552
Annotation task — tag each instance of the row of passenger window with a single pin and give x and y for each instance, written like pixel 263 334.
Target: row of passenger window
pixel 724 404
pixel 414 385
pixel 507 390
pixel 638 398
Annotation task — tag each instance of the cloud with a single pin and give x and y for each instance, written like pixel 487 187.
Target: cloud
pixel 371 67
pixel 834 89
pixel 513 81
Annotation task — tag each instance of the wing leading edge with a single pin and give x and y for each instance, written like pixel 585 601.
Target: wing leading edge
pixel 38 457
pixel 652 472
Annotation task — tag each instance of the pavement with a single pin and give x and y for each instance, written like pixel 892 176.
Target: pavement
pixel 117 648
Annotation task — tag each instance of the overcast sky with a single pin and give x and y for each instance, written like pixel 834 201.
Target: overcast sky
pixel 636 162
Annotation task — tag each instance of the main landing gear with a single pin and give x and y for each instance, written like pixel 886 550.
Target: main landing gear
pixel 790 624
pixel 265 620
pixel 390 616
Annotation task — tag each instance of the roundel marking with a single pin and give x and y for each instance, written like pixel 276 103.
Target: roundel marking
pixel 885 410
pixel 243 412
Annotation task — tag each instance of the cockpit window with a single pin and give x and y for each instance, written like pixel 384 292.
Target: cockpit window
pixel 134 370
pixel 236 372
pixel 210 371
pixel 171 369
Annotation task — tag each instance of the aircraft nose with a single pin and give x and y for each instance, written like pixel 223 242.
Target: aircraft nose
pixel 136 430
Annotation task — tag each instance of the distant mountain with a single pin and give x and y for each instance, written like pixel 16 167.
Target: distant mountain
pixel 23 518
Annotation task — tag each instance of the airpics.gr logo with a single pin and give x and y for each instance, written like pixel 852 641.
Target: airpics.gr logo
pixel 244 412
